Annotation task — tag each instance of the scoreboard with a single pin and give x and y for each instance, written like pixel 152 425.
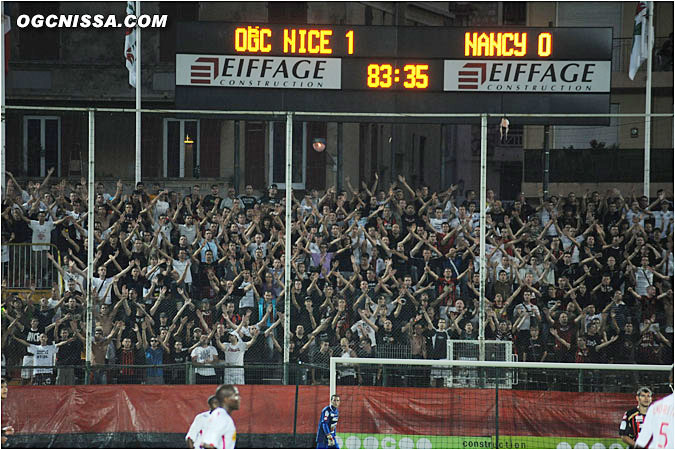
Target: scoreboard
pixel 385 69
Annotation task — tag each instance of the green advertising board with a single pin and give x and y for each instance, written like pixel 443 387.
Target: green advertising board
pixel 386 441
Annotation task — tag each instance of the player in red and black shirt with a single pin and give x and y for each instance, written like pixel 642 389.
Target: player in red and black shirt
pixel 633 418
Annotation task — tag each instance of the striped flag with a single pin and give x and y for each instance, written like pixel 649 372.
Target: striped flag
pixel 7 25
pixel 642 45
pixel 130 46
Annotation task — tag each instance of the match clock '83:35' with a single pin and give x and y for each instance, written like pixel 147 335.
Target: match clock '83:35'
pixel 413 76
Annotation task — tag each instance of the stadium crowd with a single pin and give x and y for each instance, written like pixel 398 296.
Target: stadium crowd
pixel 386 271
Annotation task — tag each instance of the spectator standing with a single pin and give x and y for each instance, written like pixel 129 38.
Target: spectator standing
pixel 44 355
pixel 127 356
pixel 205 355
pixel 234 351
pixel 68 356
pixel 154 356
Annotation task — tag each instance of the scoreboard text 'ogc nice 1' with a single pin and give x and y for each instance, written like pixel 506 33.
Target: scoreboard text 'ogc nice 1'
pixel 385 69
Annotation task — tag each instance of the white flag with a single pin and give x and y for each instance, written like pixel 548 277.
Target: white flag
pixel 130 46
pixel 642 46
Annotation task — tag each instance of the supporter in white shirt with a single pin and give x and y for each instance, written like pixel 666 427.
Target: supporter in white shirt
pixel 644 276
pixel 438 220
pixel 635 211
pixel 668 260
pixel 450 209
pixel 44 358
pixel 43 355
pixel 307 204
pixel 188 229
pixel 230 199
pixel 101 285
pixel 504 264
pixel 196 431
pixel 204 354
pixel 42 231
pixel 4 256
pixel 247 300
pixel 182 266
pixel 474 214
pixel 152 272
pixel 165 228
pixel 663 219
pixel 365 331
pixel 73 281
pixel 161 206
pixel 234 351
pixel 77 214
pixel 496 257
pixel 657 428
pixel 69 271
pixel 100 190
pixel 257 244
pixel 220 431
pixel 566 240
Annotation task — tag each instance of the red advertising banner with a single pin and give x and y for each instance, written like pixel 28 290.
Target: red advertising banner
pixel 269 410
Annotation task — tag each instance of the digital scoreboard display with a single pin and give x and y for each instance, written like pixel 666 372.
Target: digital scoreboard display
pixel 326 68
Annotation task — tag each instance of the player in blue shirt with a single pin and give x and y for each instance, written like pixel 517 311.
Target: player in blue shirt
pixel 325 435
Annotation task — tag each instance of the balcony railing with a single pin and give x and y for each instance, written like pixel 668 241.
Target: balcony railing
pixel 27 266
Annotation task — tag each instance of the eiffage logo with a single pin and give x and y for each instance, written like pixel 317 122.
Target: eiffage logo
pixel 468 79
pixel 201 73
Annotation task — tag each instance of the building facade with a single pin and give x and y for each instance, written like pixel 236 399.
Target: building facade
pixel 85 68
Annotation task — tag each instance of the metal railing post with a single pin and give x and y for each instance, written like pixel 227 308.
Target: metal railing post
pixel 90 237
pixel 87 372
pixel 287 259
pixel 547 160
pixel 483 210
pixel 295 412
pixel 497 408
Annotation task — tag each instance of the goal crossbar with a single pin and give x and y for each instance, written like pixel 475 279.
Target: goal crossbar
pixel 334 361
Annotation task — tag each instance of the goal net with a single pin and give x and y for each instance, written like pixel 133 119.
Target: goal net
pixel 469 403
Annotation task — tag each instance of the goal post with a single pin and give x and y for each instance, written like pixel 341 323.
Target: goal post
pixel 391 403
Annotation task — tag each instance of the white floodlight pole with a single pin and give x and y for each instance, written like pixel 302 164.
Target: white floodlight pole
pixel 138 95
pixel 483 208
pixel 287 252
pixel 90 236
pixel 3 75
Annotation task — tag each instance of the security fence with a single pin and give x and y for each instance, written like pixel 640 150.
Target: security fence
pixel 364 373
pixel 383 246
pixel 165 374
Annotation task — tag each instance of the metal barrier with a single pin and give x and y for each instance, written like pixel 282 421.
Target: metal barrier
pixel 367 374
pixel 27 266
pixel 178 373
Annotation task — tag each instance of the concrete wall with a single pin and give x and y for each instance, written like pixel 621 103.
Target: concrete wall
pixel 629 102
pixel 539 14
pixel 629 94
pixel 91 72
pixel 233 11
pixel 115 146
pixel 91 62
